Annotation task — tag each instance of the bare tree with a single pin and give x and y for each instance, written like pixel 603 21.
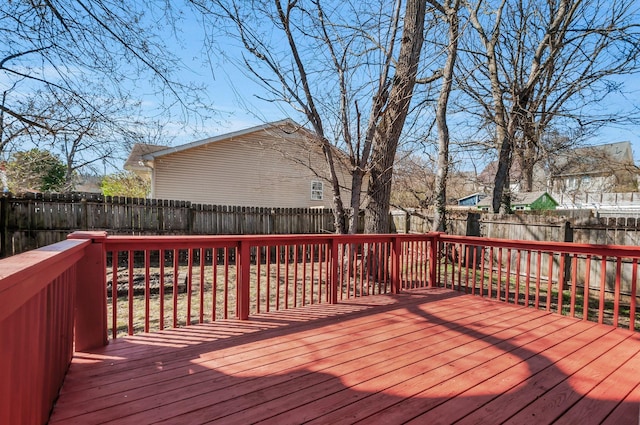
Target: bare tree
pixel 543 63
pixel 494 105
pixel 85 138
pixel 449 10
pixel 601 42
pixel 349 69
pixel 92 55
pixel 14 129
pixel 413 182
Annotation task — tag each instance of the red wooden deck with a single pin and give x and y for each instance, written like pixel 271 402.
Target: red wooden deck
pixel 427 356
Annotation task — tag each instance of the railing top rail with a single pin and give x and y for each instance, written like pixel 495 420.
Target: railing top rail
pixel 547 246
pixel 123 242
pixel 24 275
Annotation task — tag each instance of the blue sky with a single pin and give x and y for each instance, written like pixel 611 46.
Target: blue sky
pixel 232 94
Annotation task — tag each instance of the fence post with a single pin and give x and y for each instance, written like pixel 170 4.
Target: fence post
pixel 434 258
pixel 243 265
pixel 91 293
pixel 333 296
pixel 396 251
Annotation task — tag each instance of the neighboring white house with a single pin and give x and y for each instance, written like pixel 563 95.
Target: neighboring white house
pixel 595 169
pixel 270 165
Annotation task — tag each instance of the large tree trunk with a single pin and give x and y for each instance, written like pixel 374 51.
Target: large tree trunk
pixel 501 180
pixel 528 156
pixel 527 163
pixel 393 118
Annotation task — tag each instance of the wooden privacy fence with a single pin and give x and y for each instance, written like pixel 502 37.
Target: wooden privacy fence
pixel 34 220
pixel 553 227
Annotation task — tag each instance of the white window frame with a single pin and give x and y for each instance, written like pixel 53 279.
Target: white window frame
pixel 317 190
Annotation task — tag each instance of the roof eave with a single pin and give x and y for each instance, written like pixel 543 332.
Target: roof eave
pixel 226 136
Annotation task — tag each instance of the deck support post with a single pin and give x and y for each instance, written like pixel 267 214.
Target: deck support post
pixel 396 254
pixel 333 287
pixel 243 292
pixel 91 293
pixel 434 259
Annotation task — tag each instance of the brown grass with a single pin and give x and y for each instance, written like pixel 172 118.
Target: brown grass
pixel 202 299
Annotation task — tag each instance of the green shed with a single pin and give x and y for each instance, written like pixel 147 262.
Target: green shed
pixel 525 201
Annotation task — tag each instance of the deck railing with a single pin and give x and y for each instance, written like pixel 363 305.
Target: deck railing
pixel 68 295
pixel 38 307
pixel 592 282
pixel 169 281
pixel 255 274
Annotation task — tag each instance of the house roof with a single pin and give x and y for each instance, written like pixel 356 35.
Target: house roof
pixel 227 136
pixel 139 150
pixel 528 198
pixel 518 198
pixel 471 195
pixel 593 159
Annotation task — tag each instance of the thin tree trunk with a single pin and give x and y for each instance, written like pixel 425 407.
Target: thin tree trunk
pixel 440 216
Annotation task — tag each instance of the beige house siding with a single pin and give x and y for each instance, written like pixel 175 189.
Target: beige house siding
pixel 267 168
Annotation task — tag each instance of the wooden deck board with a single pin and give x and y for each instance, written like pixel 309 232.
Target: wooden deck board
pixel 431 356
pixel 240 357
pixel 461 377
pixel 555 402
pixel 545 369
pixel 347 370
pixel 499 376
pixel 606 395
pixel 407 380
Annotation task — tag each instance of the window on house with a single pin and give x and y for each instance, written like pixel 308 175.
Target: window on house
pixel 317 190
pixel 586 181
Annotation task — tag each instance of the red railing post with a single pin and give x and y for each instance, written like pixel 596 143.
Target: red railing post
pixel 91 293
pixel 434 258
pixel 396 252
pixel 333 296
pixel 243 265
